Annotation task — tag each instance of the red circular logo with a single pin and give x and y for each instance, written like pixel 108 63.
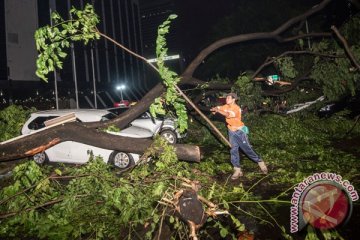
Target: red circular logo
pixel 325 206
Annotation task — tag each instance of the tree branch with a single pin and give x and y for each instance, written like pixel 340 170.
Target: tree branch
pixel 17 194
pixel 77 132
pixel 6 215
pixel 189 80
pixel 127 50
pixel 346 46
pixel 251 36
pixel 203 116
pixel 270 60
pixel 305 35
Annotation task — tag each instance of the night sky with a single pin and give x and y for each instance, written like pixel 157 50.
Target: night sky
pixel 197 18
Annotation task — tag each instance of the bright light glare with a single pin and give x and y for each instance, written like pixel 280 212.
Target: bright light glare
pixel 152 60
pixel 121 87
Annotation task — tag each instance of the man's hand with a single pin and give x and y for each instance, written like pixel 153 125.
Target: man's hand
pixel 214 110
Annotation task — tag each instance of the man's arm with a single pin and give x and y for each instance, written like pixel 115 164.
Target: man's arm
pixel 218 110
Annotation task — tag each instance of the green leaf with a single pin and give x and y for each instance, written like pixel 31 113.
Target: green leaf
pixel 172 16
pixel 62 54
pixel 58 172
pixel 52 42
pixel 226 205
pixel 159 189
pixel 223 232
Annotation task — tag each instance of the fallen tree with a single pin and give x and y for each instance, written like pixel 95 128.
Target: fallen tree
pixel 89 133
pixel 187 77
pixel 104 192
pixel 40 141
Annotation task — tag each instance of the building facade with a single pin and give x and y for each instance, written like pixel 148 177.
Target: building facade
pixel 3 58
pixel 99 63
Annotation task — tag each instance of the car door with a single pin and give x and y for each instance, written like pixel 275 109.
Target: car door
pixel 60 152
pixel 80 153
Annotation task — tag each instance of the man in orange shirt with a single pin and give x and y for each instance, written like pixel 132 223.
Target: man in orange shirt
pixel 237 137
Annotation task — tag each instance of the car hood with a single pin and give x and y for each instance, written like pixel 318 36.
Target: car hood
pixel 133 132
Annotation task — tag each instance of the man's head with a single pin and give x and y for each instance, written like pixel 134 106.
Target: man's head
pixel 231 98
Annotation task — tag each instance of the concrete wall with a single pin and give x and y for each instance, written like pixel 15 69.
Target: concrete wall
pixel 21 22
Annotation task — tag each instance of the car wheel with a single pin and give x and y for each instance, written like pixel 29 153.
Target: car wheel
pixel 169 135
pixel 40 158
pixel 121 160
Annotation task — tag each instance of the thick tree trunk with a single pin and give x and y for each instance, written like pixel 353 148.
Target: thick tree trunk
pixel 37 142
pixel 124 119
pixel 88 133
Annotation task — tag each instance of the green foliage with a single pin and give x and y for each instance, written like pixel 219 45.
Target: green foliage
pixel 170 79
pixel 301 95
pixel 12 119
pixel 218 79
pixel 248 90
pixel 286 67
pixel 167 157
pixel 112 128
pixel 337 76
pixel 294 147
pixel 302 144
pixel 52 42
pixel 351 30
pixel 92 202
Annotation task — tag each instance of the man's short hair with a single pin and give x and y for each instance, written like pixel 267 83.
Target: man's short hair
pixel 233 95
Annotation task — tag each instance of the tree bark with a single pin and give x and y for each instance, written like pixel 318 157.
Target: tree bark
pixel 29 144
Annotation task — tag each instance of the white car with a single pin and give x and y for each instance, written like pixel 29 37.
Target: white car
pixel 79 153
pixel 37 119
pixel 165 127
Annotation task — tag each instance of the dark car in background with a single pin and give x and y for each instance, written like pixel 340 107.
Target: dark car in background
pixel 351 103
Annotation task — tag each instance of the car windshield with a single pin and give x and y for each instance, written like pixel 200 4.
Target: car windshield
pixel 108 116
pixel 118 110
pixel 38 122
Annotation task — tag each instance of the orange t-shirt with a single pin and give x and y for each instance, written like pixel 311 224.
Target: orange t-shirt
pixel 233 121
